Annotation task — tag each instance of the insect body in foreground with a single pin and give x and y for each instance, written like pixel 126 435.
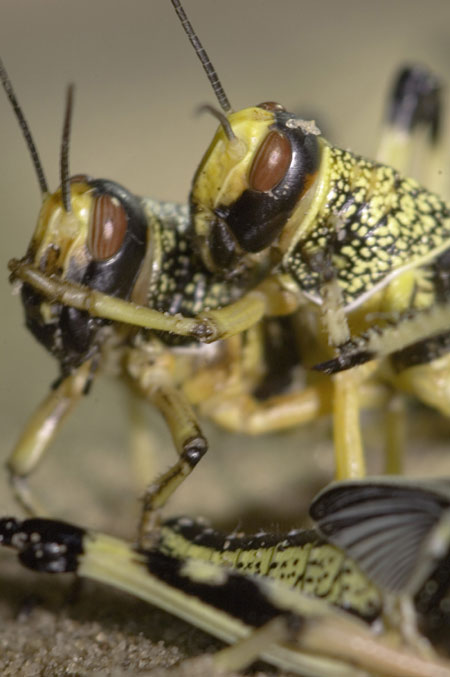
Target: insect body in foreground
pixel 281 223
pixel 236 586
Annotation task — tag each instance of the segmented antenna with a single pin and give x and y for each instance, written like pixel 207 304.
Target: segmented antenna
pixel 7 86
pixel 64 158
pixel 204 58
pixel 206 108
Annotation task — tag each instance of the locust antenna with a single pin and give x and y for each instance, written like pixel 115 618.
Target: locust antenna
pixel 206 108
pixel 64 159
pixel 7 86
pixel 204 58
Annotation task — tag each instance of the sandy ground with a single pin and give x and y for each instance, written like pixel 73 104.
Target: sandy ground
pixel 137 87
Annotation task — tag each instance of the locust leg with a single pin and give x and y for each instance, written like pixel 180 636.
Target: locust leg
pixel 284 627
pixel 275 296
pixel 348 446
pixel 412 142
pixel 143 442
pixel 395 435
pixel 343 397
pixel 411 136
pixel 354 391
pixel 245 414
pixel 429 382
pixel 339 645
pixel 409 142
pixel 40 431
pixel 189 441
pixel 236 407
pixel 246 651
pixel 348 449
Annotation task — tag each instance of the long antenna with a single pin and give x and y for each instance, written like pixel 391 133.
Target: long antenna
pixel 7 86
pixel 64 158
pixel 204 58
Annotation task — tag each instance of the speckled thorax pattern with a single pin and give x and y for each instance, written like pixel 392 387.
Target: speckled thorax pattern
pixel 180 282
pixel 372 222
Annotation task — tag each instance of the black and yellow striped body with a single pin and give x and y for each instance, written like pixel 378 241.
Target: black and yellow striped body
pixel 301 559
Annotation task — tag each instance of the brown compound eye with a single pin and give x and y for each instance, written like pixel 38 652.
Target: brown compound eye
pixel 80 178
pixel 271 163
pixel 271 106
pixel 107 227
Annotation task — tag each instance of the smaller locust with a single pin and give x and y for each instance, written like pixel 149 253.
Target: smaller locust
pixel 293 599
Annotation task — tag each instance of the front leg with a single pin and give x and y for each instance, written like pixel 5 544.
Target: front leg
pixel 189 440
pixel 274 296
pixel 39 432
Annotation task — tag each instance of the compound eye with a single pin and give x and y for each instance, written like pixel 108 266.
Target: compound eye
pixel 80 178
pixel 107 227
pixel 271 106
pixel 271 163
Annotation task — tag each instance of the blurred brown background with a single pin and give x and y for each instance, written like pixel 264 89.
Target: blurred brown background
pixel 138 85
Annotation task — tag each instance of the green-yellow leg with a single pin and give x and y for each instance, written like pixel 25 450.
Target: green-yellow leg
pixel 40 431
pixel 142 442
pixel 274 296
pixel 416 148
pixel 395 435
pixel 245 414
pixel 412 143
pixel 348 448
pixel 411 139
pixel 409 143
pixel 190 444
pixel 429 382
pixel 248 650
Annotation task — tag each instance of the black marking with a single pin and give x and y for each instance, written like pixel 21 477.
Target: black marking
pixel 432 600
pixel 222 244
pixel 441 278
pixel 345 360
pixel 9 526
pixel 195 532
pixel 416 100
pixel 422 352
pixel 281 356
pixel 44 545
pixel 236 595
pixel 257 218
pixel 194 450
